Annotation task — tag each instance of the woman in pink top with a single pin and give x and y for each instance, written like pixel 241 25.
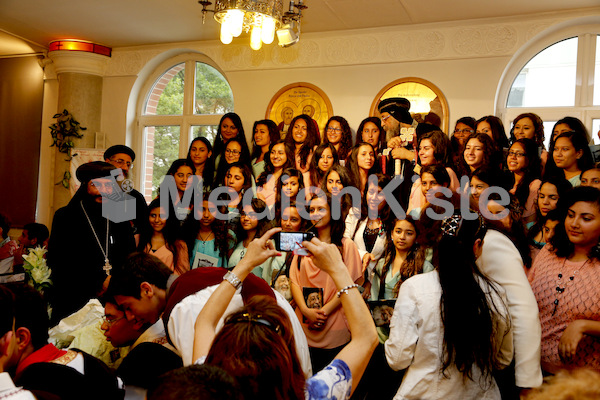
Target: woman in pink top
pixel 314 291
pixel 565 279
pixel 279 157
pixel 524 166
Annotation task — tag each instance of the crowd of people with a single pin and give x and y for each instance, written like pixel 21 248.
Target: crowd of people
pixel 396 261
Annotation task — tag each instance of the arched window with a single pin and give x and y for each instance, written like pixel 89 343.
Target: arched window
pixel 558 75
pixel 186 99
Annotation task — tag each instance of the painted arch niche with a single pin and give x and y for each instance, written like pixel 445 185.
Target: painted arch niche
pixel 427 102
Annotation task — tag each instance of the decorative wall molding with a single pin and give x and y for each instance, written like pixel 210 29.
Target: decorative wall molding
pixel 444 41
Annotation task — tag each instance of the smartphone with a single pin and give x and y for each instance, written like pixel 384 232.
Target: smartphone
pixel 291 241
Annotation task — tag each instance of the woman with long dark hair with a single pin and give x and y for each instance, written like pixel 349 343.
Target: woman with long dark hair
pixel 265 132
pixel 182 172
pixel 288 186
pixel 324 157
pixel 303 137
pixel 451 327
pixel 370 131
pixel 464 128
pixel 234 153
pixel 279 157
pixel 494 128
pixel 570 156
pixel 524 166
pixel 361 164
pixel 230 126
pixel 200 154
pixel 566 284
pixel 479 152
pixel 337 132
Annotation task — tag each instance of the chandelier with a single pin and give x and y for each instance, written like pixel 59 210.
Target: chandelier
pixel 261 18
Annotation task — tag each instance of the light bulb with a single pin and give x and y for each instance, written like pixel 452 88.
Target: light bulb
pixel 235 22
pixel 255 42
pixel 226 37
pixel 268 30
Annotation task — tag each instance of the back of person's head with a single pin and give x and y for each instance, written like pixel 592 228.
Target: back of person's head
pixel 580 384
pixel 4 226
pixel 7 310
pixel 196 382
pixel 264 359
pixel 139 267
pixel 37 231
pixel 31 312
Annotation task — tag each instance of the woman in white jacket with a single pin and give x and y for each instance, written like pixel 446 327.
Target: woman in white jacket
pixel 451 327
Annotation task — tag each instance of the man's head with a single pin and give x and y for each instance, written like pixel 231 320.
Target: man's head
pixel 121 157
pixel 96 179
pixel 314 300
pixel 139 287
pixel 117 329
pixel 33 235
pixel 4 226
pixel 395 114
pixel 7 327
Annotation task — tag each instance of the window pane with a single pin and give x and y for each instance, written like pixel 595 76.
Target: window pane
pixel 548 125
pixel 166 96
pixel 162 148
pixel 207 131
pixel 597 74
pixel 548 79
pixel 213 94
pixel 595 131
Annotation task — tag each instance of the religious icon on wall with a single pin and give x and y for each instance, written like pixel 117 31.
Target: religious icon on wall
pixel 427 102
pixel 299 98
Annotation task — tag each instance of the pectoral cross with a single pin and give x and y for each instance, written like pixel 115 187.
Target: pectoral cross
pixel 107 267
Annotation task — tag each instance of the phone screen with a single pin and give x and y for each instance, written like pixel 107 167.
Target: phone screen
pixel 290 241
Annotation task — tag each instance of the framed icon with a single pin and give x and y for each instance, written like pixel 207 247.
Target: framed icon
pixel 427 102
pixel 299 98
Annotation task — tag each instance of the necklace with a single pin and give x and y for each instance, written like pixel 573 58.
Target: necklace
pixel 107 267
pixel 560 287
pixel 207 237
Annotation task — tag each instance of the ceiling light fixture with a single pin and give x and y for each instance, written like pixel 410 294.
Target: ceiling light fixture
pixel 262 18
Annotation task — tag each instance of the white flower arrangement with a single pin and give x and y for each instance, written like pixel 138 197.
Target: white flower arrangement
pixel 37 270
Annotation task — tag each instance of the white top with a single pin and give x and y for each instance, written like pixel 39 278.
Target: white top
pixel 416 342
pixel 501 261
pixel 8 390
pixel 378 247
pixel 183 318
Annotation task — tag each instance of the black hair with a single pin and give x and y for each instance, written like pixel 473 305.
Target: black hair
pixel 7 310
pixel 269 168
pixel 560 241
pixel 316 175
pixel 532 170
pixel 209 165
pixel 354 169
pixel 5 225
pixel 224 166
pixel 337 226
pixel 175 165
pixel 439 172
pixel 273 136
pixel 263 224
pixel 491 156
pixel 377 122
pixel 219 145
pixel 290 173
pixel 538 128
pixel 312 138
pixel 441 146
pixel 579 142
pixel 346 141
pixel 31 312
pixel 576 125
pixel 138 268
pixel 246 173
pixel 37 231
pixel 498 132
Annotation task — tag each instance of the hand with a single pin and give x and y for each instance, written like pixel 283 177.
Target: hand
pixel 567 347
pixel 261 249
pixel 403 154
pixel 316 318
pixel 394 142
pixel 367 292
pixel 326 256
pixel 367 258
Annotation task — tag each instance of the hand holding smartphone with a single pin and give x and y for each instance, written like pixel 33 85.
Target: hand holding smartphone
pixel 292 241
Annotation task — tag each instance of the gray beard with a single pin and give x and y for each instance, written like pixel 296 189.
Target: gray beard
pixel 392 133
pixel 287 293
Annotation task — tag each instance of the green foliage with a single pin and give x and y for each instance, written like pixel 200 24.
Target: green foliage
pixel 213 94
pixel 166 150
pixel 63 131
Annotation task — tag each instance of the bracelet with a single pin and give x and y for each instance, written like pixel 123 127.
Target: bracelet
pixel 233 279
pixel 346 289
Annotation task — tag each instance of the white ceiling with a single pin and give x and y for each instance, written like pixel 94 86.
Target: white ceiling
pixel 118 23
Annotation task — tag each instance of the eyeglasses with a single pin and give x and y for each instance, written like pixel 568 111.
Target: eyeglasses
pixel 119 162
pixel 516 154
pixel 469 131
pixel 111 322
pixel 252 215
pixel 336 130
pixel 234 152
pixel 386 117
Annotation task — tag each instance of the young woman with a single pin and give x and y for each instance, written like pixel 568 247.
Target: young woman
pixel 544 231
pixel 433 148
pixel 570 124
pixel 199 154
pixel 234 153
pixel 530 126
pixel 494 128
pixel 427 331
pixel 370 131
pixel 265 132
pixel 551 190
pixel 361 164
pixel 159 238
pixel 334 181
pixel 481 179
pixel 208 238
pixel 265 362
pixel 338 133
pixel 280 157
pixel 324 326
pixel 591 176
pixel 229 127
pixel 479 152
pixel 303 137
pixel 182 171
pixel 239 180
pixel 570 156
pixel 565 282
pixel 524 165
pixel 324 157
pixel 432 177
pixel 287 188
pixel 464 128
pixel 252 226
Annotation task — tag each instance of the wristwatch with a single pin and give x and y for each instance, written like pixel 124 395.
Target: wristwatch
pixel 233 279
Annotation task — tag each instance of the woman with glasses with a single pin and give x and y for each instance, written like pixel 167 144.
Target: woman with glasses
pixel 234 153
pixel 464 127
pixel 229 127
pixel 338 133
pixel 524 165
pixel 530 126
pixel 303 137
